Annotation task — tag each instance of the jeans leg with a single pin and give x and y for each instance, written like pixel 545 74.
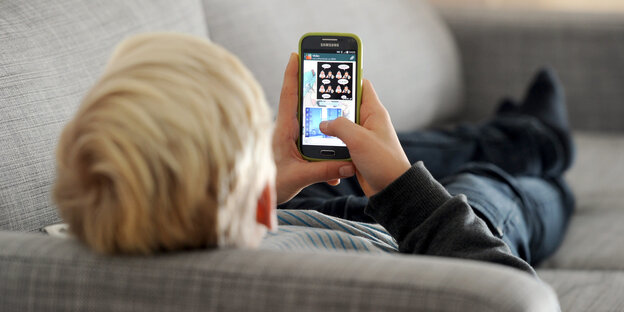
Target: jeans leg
pixel 442 152
pixel 519 144
pixel 529 213
pixel 513 143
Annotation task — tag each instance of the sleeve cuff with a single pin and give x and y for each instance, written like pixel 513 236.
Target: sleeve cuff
pixel 410 199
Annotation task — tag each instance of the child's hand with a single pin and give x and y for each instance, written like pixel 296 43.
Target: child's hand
pixel 293 172
pixel 375 150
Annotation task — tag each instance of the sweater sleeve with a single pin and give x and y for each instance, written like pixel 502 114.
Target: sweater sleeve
pixel 425 219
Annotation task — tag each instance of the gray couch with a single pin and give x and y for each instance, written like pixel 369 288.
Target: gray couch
pixel 427 69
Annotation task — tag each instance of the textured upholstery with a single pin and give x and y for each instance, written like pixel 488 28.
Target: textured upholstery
pixel 51 52
pixel 61 275
pixel 582 291
pixel 501 50
pixel 598 172
pixel 594 238
pixel 408 53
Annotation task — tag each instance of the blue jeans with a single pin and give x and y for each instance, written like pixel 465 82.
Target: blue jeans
pixel 508 168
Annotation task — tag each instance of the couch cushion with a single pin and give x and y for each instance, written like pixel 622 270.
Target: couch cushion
pixel 594 237
pixel 408 52
pixel 581 291
pixel 593 241
pixel 51 53
pixel 598 172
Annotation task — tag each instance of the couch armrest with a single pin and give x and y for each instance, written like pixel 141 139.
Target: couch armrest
pixel 46 273
pixel 501 50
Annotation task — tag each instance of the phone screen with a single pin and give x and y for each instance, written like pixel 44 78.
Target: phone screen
pixel 328 92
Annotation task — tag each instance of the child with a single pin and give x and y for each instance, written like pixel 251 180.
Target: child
pixel 169 150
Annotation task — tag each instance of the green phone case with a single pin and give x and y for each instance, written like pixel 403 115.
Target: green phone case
pixel 358 83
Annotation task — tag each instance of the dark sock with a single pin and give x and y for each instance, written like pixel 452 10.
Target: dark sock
pixel 507 105
pixel 545 100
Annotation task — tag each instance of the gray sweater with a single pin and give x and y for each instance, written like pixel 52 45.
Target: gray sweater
pixel 416 215
pixel 425 219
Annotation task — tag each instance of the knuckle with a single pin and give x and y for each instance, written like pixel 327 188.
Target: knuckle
pixel 328 172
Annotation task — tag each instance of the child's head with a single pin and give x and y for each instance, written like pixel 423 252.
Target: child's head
pixel 170 149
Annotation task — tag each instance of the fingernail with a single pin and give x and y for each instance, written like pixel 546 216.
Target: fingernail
pixel 323 126
pixel 346 171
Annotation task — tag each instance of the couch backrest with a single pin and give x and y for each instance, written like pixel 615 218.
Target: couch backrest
pixel 51 52
pixel 409 54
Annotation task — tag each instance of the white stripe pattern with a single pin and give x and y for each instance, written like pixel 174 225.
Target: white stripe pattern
pixel 312 230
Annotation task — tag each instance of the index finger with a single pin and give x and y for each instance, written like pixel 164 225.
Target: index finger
pixel 289 95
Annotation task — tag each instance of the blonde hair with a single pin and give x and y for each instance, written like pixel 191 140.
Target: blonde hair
pixel 169 150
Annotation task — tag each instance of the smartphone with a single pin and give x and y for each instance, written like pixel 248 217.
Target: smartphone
pixel 330 86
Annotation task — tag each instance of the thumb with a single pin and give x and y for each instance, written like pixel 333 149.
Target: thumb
pixel 342 128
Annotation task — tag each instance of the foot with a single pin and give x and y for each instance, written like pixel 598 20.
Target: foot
pixel 545 100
